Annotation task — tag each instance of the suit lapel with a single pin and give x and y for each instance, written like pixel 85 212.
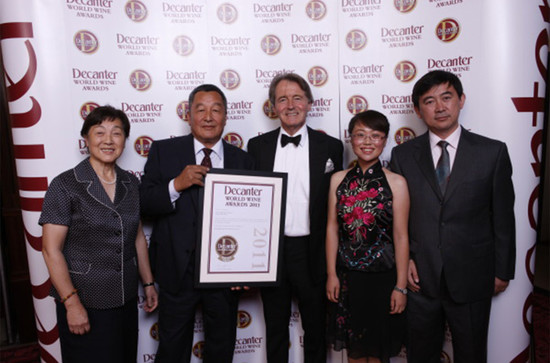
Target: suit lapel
pixel 85 174
pixel 229 160
pixel 423 156
pixel 122 186
pixel 187 157
pixel 317 160
pixel 267 158
pixel 462 163
pixel 187 151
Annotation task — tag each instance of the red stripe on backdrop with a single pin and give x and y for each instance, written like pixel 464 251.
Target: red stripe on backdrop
pixel 29 118
pixel 31 204
pixel 16 90
pixel 41 291
pixel 530 104
pixel 46 336
pixel 46 356
pixel 33 183
pixel 35 242
pixel 16 30
pixel 28 151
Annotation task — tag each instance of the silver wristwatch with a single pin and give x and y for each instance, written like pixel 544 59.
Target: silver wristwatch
pixel 403 291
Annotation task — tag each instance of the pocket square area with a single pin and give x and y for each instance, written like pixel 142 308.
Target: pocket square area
pixel 329 166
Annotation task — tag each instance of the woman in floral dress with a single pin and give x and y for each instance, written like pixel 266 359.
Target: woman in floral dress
pixel 367 249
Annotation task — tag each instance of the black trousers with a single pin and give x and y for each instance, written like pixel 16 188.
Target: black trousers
pixel 468 322
pixel 112 338
pixel 297 281
pixel 177 321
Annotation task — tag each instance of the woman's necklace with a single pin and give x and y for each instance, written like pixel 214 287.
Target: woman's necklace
pixel 107 182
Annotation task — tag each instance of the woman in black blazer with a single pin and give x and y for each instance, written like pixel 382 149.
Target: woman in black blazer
pixel 94 248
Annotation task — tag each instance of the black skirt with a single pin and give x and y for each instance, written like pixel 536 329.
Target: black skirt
pixel 113 335
pixel 361 321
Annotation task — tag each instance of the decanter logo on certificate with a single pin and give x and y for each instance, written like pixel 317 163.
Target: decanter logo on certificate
pixel 226 247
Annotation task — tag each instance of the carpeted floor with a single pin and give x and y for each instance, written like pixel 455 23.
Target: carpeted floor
pixel 27 353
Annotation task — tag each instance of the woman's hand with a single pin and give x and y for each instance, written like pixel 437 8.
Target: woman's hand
pixel 333 288
pixel 151 298
pixel 77 317
pixel 398 302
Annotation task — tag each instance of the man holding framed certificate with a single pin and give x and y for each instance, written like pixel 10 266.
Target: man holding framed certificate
pixel 310 158
pixel 169 193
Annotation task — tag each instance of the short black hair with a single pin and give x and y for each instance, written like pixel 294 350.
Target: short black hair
pixel 105 113
pixel 291 77
pixel 207 88
pixel 372 119
pixel 435 78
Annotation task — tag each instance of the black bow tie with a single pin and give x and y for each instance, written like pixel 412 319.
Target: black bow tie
pixel 285 139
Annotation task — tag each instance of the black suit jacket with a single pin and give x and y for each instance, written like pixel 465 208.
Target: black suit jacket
pixel 175 228
pixel 468 234
pixel 321 148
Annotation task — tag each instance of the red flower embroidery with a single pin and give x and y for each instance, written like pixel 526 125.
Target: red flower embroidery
pixel 362 195
pixel 348 218
pixel 353 185
pixel 380 206
pixel 368 218
pixel 372 193
pixel 357 213
pixel 350 201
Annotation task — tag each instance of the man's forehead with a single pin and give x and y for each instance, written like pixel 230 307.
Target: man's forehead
pixel 200 96
pixel 439 89
pixel 286 84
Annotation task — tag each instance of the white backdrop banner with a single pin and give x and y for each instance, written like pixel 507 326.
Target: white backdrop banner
pixel 62 58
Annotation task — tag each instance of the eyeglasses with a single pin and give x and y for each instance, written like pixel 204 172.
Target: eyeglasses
pixel 374 138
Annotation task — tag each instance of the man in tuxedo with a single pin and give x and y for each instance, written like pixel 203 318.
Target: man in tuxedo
pixel 169 191
pixel 310 158
pixel 461 227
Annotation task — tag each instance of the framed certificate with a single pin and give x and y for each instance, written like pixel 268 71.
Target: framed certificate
pixel 242 228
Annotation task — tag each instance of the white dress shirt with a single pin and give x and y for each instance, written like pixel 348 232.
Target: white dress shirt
pixel 453 140
pixel 294 160
pixel 217 162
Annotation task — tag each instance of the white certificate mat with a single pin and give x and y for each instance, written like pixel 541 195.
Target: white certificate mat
pixel 241 233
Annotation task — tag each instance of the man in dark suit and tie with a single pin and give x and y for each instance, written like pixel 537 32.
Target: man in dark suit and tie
pixel 169 191
pixel 310 158
pixel 461 227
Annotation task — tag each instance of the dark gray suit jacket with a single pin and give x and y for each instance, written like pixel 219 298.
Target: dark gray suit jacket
pixel 175 229
pixel 321 148
pixel 468 234
pixel 100 246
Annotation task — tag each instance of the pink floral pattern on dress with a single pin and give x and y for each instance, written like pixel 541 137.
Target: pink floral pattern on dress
pixel 364 209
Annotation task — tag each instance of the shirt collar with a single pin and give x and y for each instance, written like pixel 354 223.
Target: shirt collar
pixel 452 139
pixel 216 149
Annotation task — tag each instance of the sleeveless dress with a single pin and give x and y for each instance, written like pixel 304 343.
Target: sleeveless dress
pixel 360 322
